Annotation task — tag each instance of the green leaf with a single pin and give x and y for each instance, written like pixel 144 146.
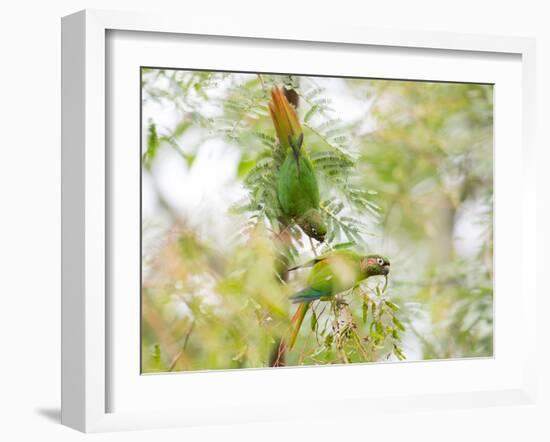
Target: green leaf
pixel 313 323
pixel 312 111
pixel 152 145
pixel 245 165
pixel 399 353
pixel 181 128
pixel 398 324
pixel 155 354
pixel 391 305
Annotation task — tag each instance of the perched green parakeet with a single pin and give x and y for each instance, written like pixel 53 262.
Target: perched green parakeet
pixel 297 188
pixel 333 273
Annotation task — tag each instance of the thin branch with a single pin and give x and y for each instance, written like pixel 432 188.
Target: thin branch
pixel 180 353
pixel 327 142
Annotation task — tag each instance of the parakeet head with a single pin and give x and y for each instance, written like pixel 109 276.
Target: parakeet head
pixel 313 225
pixel 374 265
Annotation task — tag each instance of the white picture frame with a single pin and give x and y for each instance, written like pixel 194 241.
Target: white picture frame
pixel 87 202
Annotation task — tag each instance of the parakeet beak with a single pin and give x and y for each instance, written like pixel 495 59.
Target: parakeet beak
pixel 386 269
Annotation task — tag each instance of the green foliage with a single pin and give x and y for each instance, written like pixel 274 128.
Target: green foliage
pixel 396 179
pixel 360 325
pixel 445 130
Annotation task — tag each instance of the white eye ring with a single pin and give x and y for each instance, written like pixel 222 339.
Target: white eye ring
pixel 380 261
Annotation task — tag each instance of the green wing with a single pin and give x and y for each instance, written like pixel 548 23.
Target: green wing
pixel 341 252
pixel 335 271
pixel 298 191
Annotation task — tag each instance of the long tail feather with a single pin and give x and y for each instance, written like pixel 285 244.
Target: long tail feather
pixel 304 298
pixel 297 320
pixel 286 122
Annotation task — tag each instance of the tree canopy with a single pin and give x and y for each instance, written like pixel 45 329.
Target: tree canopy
pixel 405 169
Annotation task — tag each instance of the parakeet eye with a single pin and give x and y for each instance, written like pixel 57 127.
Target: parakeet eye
pixel 380 261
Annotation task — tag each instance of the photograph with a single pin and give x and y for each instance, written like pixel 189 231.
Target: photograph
pixel 299 219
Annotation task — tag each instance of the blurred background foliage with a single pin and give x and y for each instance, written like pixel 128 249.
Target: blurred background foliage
pixel 405 170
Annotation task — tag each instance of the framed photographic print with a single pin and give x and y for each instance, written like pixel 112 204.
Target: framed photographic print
pixel 248 213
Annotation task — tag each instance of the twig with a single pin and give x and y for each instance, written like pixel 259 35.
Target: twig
pixel 186 340
pixel 286 229
pixel 314 250
pixel 261 81
pixel 339 149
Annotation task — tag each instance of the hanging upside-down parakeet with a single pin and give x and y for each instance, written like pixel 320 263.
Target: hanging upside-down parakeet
pixel 333 273
pixel 297 188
